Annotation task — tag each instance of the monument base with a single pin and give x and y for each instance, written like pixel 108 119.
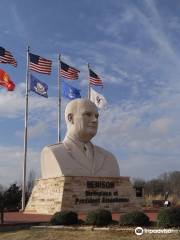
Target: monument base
pixel 82 194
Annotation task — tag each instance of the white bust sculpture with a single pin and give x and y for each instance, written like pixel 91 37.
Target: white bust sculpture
pixel 76 155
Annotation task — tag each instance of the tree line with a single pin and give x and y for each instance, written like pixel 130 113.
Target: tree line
pixel 10 198
pixel 166 182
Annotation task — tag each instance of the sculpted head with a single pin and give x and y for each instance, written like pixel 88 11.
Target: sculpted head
pixel 81 117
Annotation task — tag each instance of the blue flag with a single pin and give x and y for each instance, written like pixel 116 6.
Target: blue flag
pixel 70 92
pixel 38 87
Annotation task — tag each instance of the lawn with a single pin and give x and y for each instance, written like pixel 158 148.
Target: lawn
pixel 55 234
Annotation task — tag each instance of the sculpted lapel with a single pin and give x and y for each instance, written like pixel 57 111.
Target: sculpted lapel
pixel 77 155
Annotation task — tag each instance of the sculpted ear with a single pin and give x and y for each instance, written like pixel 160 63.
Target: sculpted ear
pixel 70 117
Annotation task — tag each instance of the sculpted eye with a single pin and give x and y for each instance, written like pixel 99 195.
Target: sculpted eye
pixel 88 114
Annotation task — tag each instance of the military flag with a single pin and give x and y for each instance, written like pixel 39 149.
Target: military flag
pixel 5 81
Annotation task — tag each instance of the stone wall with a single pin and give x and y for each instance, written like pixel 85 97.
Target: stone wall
pixel 82 194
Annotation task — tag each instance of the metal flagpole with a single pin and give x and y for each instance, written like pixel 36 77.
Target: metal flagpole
pixel 25 135
pixel 59 98
pixel 89 88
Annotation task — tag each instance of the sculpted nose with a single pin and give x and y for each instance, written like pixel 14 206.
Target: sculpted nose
pixel 95 119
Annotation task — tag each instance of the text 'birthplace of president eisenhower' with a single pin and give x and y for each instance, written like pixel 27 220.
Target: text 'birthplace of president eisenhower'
pixel 98 196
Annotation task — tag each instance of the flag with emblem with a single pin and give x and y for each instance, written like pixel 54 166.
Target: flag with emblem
pixel 70 92
pixel 94 79
pixel 69 72
pixel 7 57
pixel 38 86
pixel 5 81
pixel 98 99
pixel 39 64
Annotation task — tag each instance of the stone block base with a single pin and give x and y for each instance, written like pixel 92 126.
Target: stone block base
pixel 82 194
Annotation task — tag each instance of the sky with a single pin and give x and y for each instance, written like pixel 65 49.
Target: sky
pixel 133 45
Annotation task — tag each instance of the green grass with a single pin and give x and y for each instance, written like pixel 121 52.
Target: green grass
pixel 55 234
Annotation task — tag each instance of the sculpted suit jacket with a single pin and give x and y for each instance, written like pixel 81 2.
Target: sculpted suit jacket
pixel 68 159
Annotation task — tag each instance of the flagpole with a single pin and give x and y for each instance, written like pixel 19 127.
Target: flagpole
pixel 89 88
pixel 25 135
pixel 59 98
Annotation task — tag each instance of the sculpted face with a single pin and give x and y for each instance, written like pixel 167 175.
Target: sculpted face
pixel 84 120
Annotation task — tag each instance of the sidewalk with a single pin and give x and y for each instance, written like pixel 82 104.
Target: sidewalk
pixel 19 218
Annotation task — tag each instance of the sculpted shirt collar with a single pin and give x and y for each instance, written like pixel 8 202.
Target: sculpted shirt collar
pixel 80 144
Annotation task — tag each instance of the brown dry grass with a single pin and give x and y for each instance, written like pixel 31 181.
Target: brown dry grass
pixel 172 198
pixel 50 234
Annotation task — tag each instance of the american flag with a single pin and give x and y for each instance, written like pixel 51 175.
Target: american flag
pixel 69 72
pixel 94 78
pixel 39 64
pixel 7 57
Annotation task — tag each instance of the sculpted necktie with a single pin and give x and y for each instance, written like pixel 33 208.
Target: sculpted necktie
pixel 87 151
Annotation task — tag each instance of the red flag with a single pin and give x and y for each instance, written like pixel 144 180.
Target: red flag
pixel 5 81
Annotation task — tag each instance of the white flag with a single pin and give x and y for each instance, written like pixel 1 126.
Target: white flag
pixel 97 98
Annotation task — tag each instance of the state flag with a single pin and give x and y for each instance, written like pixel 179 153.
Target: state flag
pixel 70 92
pixel 98 99
pixel 38 86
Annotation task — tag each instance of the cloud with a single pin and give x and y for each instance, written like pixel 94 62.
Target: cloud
pixel 12 104
pixel 161 126
pixel 148 166
pixel 37 130
pixel 134 33
pixel 42 114
pixel 12 163
pixel 143 136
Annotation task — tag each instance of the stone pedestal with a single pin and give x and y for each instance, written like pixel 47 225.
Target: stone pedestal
pixel 82 194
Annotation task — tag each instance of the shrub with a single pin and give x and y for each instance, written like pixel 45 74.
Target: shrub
pixel 169 217
pixel 99 217
pixel 135 218
pixel 64 218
